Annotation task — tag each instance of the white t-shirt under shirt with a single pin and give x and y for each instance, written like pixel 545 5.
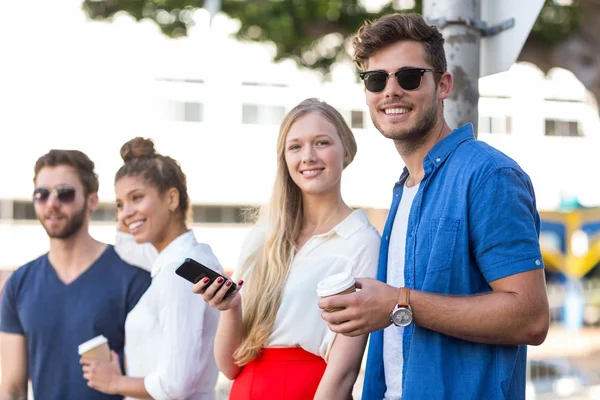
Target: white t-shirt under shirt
pixel 392 335
pixel 351 246
pixel 169 334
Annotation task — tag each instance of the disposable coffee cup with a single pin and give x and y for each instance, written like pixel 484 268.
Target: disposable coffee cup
pixel 336 284
pixel 96 348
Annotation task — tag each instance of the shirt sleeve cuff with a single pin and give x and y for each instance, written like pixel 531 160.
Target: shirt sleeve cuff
pixel 154 387
pixel 14 329
pixel 513 267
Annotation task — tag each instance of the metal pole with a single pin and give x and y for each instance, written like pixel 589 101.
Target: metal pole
pixel 213 7
pixel 459 22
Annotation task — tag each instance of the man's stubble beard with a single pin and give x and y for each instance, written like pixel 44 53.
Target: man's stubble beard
pixel 412 138
pixel 73 226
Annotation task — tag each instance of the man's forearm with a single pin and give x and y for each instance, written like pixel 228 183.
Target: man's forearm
pixel 494 318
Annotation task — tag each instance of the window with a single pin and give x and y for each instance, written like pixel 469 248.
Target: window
pixel 496 124
pixel 357 119
pixel 193 112
pixel 23 210
pixel 186 111
pixel 562 128
pixel 540 370
pixel 354 118
pixel 6 209
pixel 261 114
pixel 218 214
pixel 105 212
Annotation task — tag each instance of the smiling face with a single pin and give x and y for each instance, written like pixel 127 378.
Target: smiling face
pixel 62 219
pixel 144 211
pixel 314 155
pixel 405 115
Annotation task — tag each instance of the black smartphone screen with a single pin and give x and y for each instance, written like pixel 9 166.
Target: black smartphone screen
pixel 193 271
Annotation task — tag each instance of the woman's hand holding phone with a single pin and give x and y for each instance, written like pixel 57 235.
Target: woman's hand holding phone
pixel 213 293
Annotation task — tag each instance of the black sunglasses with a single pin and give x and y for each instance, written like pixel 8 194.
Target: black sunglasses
pixel 408 78
pixel 64 194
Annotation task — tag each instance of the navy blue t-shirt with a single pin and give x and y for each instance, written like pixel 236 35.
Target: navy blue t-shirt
pixel 56 318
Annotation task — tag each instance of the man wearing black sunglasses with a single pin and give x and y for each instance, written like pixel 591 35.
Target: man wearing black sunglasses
pixel 78 290
pixel 464 287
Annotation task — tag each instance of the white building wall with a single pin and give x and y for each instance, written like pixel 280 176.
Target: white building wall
pixel 93 86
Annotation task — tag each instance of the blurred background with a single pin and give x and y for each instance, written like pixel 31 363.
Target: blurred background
pixel 211 80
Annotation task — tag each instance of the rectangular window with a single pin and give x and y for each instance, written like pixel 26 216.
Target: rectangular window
pixel 496 124
pixel 187 111
pixel 193 112
pixel 556 127
pixel 105 212
pixel 218 214
pixel 357 119
pixel 257 114
pixel 6 209
pixel 354 118
pixel 23 210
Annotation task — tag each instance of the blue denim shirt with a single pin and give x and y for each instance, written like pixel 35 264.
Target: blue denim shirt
pixel 473 220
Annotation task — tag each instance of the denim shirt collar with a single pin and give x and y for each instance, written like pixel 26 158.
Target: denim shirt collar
pixel 440 152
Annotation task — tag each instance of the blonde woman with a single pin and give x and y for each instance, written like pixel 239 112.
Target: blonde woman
pixel 274 344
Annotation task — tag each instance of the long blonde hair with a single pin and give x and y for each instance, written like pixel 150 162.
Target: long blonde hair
pixel 268 266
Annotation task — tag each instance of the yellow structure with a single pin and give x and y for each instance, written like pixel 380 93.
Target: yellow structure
pixel 576 248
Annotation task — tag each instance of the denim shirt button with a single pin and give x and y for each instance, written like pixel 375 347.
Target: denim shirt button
pixel 538 262
pixel 438 159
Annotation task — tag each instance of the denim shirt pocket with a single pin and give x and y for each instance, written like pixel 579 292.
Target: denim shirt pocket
pixel 443 233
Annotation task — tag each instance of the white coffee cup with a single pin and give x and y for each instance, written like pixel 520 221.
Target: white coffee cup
pixel 96 348
pixel 336 284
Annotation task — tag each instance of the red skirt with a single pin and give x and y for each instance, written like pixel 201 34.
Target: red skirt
pixel 279 374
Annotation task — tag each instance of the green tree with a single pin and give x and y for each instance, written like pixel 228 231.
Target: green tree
pixel 315 33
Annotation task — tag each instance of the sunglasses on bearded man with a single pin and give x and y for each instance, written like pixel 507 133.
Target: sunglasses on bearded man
pixel 64 194
pixel 408 78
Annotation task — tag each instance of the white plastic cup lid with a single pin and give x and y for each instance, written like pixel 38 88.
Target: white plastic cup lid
pixel 90 344
pixel 335 283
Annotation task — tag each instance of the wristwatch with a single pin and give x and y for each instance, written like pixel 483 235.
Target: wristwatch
pixel 402 315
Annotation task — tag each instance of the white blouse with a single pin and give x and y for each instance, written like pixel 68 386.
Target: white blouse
pixel 169 334
pixel 351 246
pixel 141 255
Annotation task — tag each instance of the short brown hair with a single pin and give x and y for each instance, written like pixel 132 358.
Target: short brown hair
pixel 141 159
pixel 80 162
pixel 373 36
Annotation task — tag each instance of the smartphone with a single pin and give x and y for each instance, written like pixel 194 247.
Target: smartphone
pixel 193 271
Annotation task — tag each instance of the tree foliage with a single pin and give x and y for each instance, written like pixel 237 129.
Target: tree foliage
pixel 556 22
pixel 298 27
pixel 315 33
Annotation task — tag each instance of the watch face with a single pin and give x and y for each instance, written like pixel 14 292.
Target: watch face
pixel 402 317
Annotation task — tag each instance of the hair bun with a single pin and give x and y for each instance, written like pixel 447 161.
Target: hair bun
pixel 138 148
